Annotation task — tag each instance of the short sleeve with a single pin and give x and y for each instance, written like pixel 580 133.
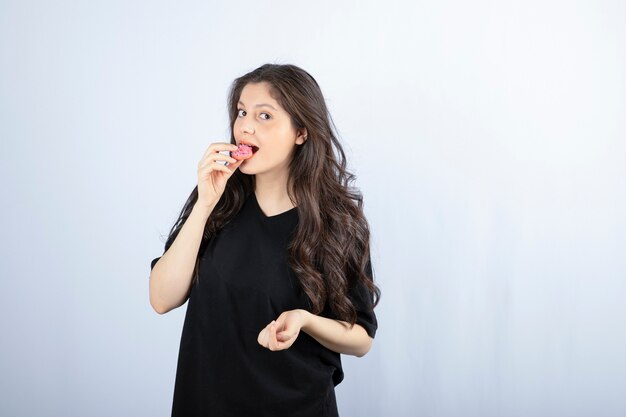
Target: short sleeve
pixel 154 261
pixel 361 297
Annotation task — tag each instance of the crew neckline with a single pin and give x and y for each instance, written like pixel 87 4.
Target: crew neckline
pixel 259 210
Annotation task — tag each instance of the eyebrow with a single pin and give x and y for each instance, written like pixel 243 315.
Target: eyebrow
pixel 260 105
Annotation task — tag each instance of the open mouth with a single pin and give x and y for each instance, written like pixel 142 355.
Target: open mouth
pixel 244 151
pixel 252 147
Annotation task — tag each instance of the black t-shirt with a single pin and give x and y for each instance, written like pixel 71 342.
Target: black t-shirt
pixel 245 282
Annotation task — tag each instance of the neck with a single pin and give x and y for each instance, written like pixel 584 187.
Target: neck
pixel 271 191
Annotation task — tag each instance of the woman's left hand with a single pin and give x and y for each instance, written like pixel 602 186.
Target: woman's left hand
pixel 282 332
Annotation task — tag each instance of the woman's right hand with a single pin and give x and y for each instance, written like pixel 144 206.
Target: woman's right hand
pixel 212 175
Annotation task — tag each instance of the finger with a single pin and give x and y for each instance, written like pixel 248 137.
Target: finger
pixel 216 157
pixel 215 166
pixel 273 343
pixel 219 146
pixel 221 157
pixel 234 165
pixel 280 323
pixel 262 337
pixel 283 336
pixel 280 326
pixel 283 341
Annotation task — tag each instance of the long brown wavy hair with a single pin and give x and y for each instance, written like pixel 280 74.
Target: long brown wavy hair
pixel 330 250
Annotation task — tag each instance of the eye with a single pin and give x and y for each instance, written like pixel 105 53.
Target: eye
pixel 265 118
pixel 239 112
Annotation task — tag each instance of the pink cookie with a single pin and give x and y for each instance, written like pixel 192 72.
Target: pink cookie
pixel 243 152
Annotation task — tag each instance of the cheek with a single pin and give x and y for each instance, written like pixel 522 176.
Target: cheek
pixel 280 147
pixel 284 139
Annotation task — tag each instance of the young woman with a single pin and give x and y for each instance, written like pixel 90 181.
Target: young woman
pixel 273 254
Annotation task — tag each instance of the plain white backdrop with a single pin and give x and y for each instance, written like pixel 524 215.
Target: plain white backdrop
pixel 487 138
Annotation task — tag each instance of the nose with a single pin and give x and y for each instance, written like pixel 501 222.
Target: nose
pixel 248 129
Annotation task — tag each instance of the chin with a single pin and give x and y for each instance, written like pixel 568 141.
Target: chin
pixel 245 169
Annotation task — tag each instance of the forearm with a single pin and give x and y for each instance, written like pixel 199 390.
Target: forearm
pixel 336 335
pixel 170 279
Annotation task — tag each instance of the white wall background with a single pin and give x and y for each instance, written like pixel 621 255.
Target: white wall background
pixel 488 140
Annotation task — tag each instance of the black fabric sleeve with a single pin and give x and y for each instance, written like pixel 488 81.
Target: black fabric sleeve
pixel 154 261
pixel 361 297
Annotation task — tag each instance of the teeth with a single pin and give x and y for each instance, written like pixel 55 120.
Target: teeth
pixel 254 148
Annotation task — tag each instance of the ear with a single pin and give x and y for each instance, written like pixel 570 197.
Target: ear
pixel 302 136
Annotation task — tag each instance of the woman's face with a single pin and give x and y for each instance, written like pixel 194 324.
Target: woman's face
pixel 262 122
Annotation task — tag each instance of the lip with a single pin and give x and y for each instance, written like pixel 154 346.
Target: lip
pixel 254 147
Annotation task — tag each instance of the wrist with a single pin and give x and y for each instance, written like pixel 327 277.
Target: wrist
pixel 306 319
pixel 201 210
